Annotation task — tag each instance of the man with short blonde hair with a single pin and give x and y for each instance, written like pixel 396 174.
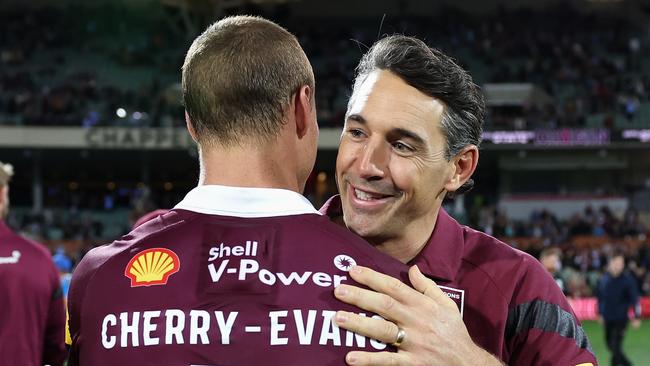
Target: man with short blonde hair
pixel 32 320
pixel 241 271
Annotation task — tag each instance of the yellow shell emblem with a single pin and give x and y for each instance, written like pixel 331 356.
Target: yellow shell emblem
pixel 152 267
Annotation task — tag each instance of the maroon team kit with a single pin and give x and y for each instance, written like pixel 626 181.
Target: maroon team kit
pixel 245 276
pixel 231 276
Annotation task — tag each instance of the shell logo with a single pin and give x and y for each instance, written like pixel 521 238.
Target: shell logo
pixel 152 267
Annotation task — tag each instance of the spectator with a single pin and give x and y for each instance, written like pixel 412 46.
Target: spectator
pixel 617 292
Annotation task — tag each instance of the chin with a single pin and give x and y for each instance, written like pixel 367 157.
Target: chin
pixel 365 227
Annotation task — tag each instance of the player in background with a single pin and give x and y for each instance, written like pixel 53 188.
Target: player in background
pixel 551 259
pixel 242 270
pixel 617 292
pixel 32 316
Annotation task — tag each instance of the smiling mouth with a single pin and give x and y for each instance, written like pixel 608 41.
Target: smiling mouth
pixel 368 196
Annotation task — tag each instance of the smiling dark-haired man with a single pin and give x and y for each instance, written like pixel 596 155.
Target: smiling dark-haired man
pixel 411 136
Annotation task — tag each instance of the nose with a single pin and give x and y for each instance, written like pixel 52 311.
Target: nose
pixel 373 160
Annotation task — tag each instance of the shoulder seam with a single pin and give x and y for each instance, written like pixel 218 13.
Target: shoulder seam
pixel 488 275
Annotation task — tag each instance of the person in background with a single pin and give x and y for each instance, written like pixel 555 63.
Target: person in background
pixel 551 259
pixel 64 264
pixel 617 293
pixel 32 316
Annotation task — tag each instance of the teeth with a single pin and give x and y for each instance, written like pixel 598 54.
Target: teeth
pixel 363 195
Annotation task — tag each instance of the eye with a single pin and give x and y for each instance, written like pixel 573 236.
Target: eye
pixel 356 133
pixel 402 147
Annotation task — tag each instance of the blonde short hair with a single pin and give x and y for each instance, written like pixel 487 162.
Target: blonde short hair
pixel 6 172
pixel 238 79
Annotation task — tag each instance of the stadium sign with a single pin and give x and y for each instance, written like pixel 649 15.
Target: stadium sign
pixel 117 138
pixel 641 135
pixel 572 137
pixel 558 137
pixel 140 138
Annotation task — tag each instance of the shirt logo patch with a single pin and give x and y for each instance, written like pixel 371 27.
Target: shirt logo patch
pixel 152 267
pixel 344 262
pixel 458 296
pixel 15 256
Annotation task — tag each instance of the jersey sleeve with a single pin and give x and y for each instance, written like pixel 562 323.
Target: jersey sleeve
pixel 54 352
pixel 542 329
pixel 80 278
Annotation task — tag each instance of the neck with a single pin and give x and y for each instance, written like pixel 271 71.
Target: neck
pixel 249 166
pixel 411 239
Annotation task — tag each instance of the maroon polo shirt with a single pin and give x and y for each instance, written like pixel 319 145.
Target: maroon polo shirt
pixel 230 276
pixel 510 304
pixel 32 317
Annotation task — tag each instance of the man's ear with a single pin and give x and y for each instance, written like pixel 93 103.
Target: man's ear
pixel 464 165
pixel 303 103
pixel 190 128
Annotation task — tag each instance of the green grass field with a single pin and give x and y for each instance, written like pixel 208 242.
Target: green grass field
pixel 636 344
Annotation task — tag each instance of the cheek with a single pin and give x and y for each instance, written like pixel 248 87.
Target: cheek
pixel 345 158
pixel 404 174
pixel 419 180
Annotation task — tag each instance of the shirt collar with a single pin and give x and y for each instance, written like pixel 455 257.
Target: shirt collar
pixel 245 202
pixel 332 208
pixel 442 254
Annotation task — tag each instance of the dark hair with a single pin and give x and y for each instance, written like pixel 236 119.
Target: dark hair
pixel 618 252
pixel 437 75
pixel 238 78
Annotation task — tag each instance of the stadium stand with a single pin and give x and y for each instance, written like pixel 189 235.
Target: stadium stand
pixel 593 69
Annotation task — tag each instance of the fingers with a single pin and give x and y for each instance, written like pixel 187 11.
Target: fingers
pixel 424 285
pixel 357 358
pixel 384 305
pixel 375 328
pixel 382 283
pixel 428 287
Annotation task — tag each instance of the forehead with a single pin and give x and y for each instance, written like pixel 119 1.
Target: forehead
pixel 617 260
pixel 385 100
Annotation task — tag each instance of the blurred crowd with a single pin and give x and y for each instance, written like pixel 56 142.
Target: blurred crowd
pixel 546 227
pixel 582 244
pixel 45 81
pixel 588 66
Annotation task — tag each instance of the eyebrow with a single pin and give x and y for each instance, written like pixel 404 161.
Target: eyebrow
pixel 357 118
pixel 408 134
pixel 401 132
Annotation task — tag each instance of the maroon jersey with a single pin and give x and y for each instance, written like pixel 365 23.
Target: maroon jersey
pixel 510 304
pixel 32 317
pixel 230 276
